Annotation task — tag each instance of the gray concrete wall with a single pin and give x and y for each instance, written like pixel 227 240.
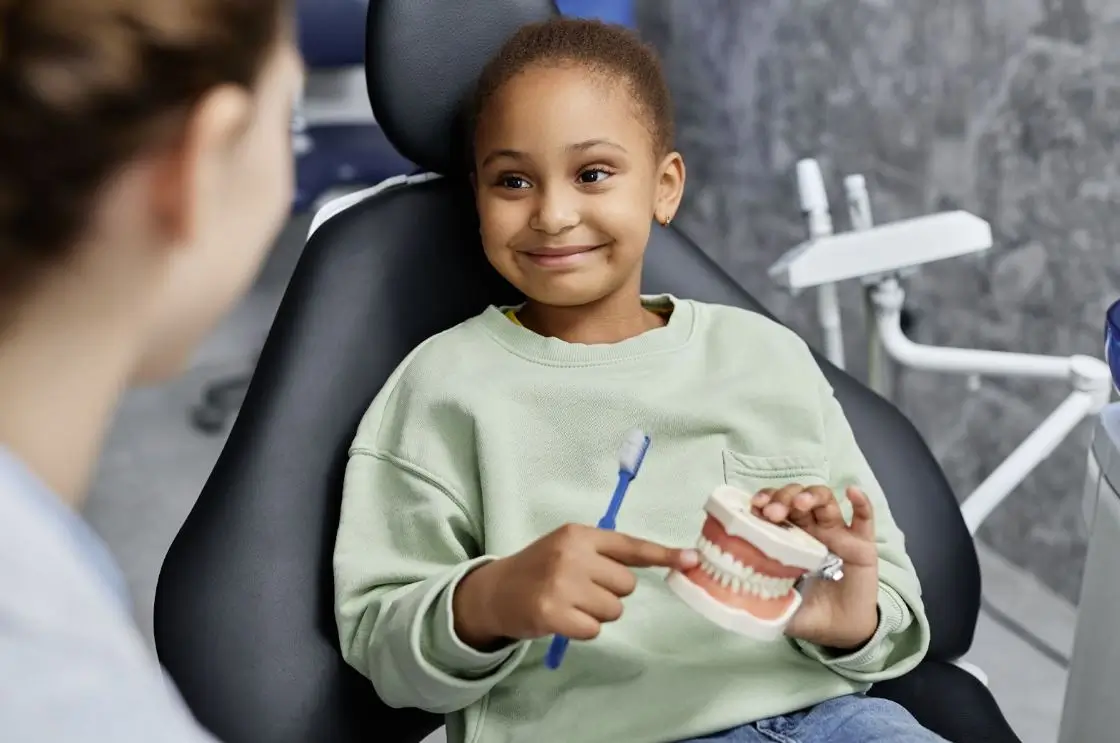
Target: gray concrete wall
pixel 1007 108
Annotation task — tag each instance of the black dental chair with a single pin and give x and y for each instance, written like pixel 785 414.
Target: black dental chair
pixel 244 620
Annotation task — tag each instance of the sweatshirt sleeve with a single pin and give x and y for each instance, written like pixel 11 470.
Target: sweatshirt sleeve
pixel 902 637
pixel 405 540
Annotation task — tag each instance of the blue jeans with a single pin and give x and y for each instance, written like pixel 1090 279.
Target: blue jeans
pixel 849 719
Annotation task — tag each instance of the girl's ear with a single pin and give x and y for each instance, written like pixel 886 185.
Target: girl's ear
pixel 670 188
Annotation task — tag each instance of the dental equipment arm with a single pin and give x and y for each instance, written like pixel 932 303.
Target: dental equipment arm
pixel 879 256
pixel 1089 377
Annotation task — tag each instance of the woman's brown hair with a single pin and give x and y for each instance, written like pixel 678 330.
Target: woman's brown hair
pixel 88 85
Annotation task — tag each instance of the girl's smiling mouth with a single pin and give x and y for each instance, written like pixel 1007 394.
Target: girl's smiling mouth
pixel 561 256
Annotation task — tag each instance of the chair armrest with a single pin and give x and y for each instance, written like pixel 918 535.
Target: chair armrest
pixel 976 671
pixel 951 702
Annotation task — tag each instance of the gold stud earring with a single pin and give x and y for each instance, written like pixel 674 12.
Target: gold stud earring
pixel 666 221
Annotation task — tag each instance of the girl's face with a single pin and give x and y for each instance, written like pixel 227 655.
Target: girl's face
pixel 568 184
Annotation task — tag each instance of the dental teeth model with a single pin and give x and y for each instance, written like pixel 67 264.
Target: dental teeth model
pixel 748 568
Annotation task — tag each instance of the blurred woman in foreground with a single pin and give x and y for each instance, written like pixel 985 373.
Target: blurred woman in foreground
pixel 144 171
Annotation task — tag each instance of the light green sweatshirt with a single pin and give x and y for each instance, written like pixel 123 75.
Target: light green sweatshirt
pixel 489 436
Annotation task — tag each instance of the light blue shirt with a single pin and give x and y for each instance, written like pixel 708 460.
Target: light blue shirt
pixel 73 666
pixel 17 480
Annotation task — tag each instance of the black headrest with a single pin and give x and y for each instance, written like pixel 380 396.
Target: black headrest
pixel 422 64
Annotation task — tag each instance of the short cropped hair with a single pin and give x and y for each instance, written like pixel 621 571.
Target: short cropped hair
pixel 602 48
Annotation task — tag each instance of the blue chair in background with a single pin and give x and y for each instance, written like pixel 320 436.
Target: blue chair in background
pixel 337 144
pixel 611 11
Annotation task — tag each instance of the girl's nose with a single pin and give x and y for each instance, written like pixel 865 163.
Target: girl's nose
pixel 554 213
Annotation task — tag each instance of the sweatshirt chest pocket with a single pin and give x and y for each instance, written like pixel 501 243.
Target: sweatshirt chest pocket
pixel 750 473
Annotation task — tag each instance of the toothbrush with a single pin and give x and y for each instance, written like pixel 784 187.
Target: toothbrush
pixel 630 457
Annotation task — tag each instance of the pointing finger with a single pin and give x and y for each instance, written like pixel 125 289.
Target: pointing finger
pixel 639 553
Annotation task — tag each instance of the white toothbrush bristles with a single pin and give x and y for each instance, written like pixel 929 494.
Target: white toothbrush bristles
pixel 632 452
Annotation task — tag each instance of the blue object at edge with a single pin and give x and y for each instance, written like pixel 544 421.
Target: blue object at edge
pixel 610 11
pixel 1112 342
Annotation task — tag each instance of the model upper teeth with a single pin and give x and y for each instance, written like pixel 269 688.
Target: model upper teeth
pixel 734 575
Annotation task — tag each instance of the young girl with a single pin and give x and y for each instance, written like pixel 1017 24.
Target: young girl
pixel 145 168
pixel 462 547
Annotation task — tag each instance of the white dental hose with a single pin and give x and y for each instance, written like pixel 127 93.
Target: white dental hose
pixel 814 207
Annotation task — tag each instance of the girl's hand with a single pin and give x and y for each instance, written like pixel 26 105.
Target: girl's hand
pixel 843 614
pixel 569 582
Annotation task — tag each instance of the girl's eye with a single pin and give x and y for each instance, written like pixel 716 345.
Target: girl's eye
pixel 594 175
pixel 513 181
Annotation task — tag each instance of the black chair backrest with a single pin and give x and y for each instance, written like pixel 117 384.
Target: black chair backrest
pixel 244 620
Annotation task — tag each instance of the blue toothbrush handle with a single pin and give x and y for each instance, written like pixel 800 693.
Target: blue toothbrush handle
pixel 556 652
pixel 559 646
